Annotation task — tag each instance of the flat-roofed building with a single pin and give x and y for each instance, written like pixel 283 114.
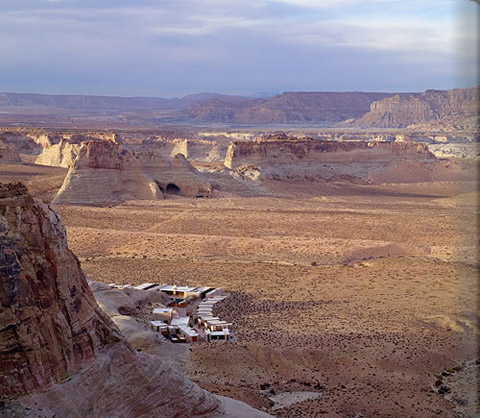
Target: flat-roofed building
pixel 213 292
pixel 223 335
pixel 163 314
pixel 204 320
pixel 204 308
pixel 206 305
pixel 146 286
pixel 177 292
pixel 159 326
pixel 190 334
pixel 199 292
pixel 219 325
pixel 182 321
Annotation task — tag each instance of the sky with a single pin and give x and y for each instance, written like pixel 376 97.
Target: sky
pixel 171 48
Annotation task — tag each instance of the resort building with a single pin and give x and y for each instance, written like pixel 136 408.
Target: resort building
pixel 163 314
pixel 197 323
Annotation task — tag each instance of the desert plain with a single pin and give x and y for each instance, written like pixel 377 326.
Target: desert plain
pixel 346 299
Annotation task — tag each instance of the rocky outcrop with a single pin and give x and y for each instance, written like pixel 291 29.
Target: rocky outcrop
pixel 456 151
pixel 60 354
pixel 264 152
pixel 21 141
pixel 62 154
pixel 8 153
pixel 193 149
pixel 51 324
pixel 175 175
pixel 456 108
pixel 52 146
pixel 105 172
pixel 310 159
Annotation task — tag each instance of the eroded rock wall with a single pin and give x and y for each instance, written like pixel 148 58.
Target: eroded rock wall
pixel 456 108
pixel 193 149
pixel 62 154
pixel 105 172
pixel 360 161
pixel 50 321
pixel 263 153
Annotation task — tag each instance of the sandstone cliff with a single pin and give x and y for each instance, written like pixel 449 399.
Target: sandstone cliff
pixel 362 161
pixel 455 109
pixel 193 149
pixel 20 140
pixel 8 153
pixel 264 152
pixel 51 144
pixel 62 154
pixel 51 323
pixel 60 354
pixel 105 172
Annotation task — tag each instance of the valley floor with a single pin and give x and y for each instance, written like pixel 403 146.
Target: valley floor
pixel 363 294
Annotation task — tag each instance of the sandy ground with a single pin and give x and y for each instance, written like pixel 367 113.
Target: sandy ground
pixel 361 294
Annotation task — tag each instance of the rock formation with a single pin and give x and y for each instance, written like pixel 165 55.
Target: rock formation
pixel 61 154
pixel 21 141
pixel 105 172
pixel 174 175
pixel 8 153
pixel 52 145
pixel 309 150
pixel 60 354
pixel 455 109
pixel 193 149
pixel 362 161
pixel 51 323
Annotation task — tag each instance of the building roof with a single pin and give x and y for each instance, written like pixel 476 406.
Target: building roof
pixel 223 332
pixel 162 310
pixel 182 321
pixel 219 322
pixel 159 324
pixel 146 286
pixel 200 289
pixel 189 331
pixel 174 288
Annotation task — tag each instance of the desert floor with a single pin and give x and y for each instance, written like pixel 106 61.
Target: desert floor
pixel 361 294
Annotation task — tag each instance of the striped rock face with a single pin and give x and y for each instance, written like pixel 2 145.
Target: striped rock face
pixel 104 172
pixel 50 322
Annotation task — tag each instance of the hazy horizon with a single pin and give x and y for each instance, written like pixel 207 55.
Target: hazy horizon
pixel 250 47
pixel 253 95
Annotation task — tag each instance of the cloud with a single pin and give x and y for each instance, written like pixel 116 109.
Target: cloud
pixel 247 45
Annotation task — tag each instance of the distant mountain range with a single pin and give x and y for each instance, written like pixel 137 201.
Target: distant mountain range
pixel 98 103
pixel 347 109
pixel 286 108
